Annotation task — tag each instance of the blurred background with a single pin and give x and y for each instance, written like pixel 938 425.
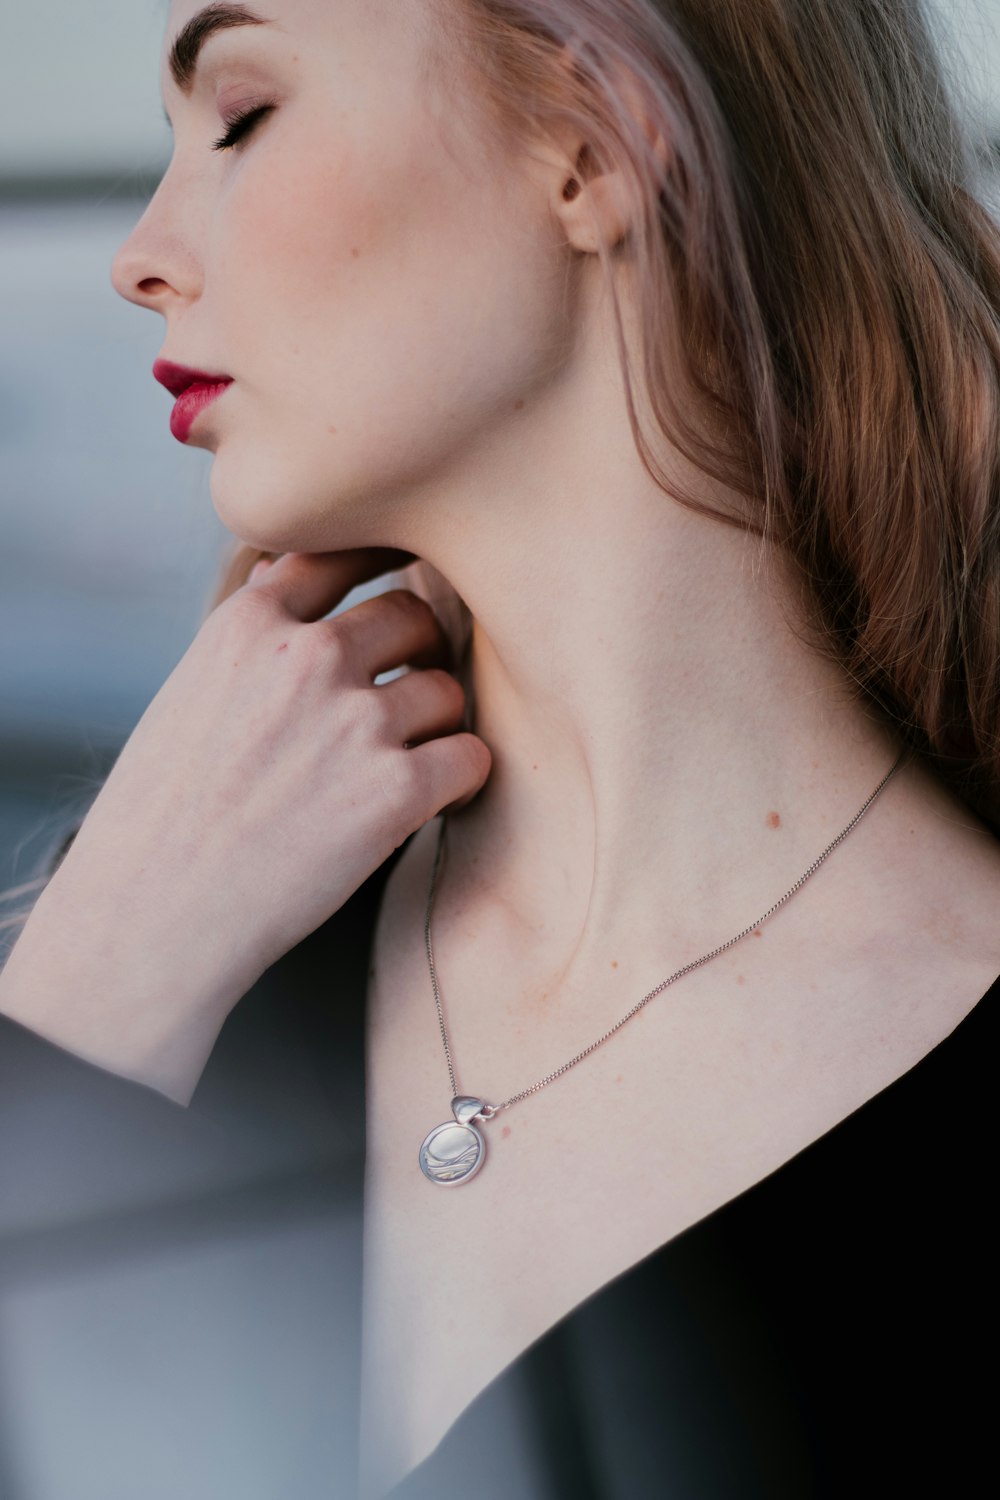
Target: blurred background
pixel 109 547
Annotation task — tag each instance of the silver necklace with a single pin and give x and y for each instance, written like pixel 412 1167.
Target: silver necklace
pixel 453 1152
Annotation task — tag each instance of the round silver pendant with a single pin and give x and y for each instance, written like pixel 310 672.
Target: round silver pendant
pixel 453 1152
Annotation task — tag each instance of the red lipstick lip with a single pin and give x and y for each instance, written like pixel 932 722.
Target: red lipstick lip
pixel 194 390
pixel 177 378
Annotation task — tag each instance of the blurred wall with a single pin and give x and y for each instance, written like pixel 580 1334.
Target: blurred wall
pixel 79 91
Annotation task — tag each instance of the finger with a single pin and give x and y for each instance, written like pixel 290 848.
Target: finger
pixel 311 584
pixel 394 629
pixel 424 705
pixel 448 772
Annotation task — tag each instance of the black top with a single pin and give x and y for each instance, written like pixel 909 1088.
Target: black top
pixel 180 1289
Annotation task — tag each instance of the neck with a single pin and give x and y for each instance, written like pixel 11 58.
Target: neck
pixel 668 755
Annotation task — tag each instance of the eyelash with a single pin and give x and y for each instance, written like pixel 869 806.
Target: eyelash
pixel 240 127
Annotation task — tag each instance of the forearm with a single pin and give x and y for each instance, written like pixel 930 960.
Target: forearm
pixel 88 975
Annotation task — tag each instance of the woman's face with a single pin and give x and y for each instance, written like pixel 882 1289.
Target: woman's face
pixel 383 290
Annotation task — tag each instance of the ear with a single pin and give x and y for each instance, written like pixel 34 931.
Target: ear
pixel 597 204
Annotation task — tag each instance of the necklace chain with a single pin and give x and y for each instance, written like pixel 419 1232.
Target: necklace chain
pixel 489 1110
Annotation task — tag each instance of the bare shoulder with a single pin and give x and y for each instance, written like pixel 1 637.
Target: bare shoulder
pixel 940 879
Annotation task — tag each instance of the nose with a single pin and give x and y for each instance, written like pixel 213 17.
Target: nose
pixel 155 266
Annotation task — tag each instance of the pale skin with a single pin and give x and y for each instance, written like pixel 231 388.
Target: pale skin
pixel 422 360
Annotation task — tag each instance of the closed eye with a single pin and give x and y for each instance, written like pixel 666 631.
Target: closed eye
pixel 241 126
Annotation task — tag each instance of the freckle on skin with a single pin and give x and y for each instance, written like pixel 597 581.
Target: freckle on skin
pixel 505 1132
pixel 518 405
pixel 618 1079
pixel 614 963
pixel 740 979
pixel 774 820
pixel 355 252
pixel 332 430
pixel 757 932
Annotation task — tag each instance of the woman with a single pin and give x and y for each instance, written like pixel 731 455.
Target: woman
pixel 666 338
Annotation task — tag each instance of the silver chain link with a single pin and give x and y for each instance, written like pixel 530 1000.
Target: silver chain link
pixel 489 1110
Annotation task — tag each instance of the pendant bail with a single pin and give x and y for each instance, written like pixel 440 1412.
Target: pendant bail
pixel 465 1108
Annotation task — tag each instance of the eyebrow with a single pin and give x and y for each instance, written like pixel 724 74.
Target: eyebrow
pixel 183 57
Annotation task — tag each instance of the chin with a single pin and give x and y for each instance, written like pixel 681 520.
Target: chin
pixel 257 510
pixel 269 508
pixel 256 530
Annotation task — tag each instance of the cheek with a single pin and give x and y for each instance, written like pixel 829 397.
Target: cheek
pixel 383 277
pixel 340 254
pixel 306 218
pixel 392 308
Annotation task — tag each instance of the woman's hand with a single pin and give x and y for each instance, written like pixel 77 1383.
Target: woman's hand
pixel 268 778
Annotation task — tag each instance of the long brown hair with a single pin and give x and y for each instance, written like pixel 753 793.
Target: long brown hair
pixel 818 287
